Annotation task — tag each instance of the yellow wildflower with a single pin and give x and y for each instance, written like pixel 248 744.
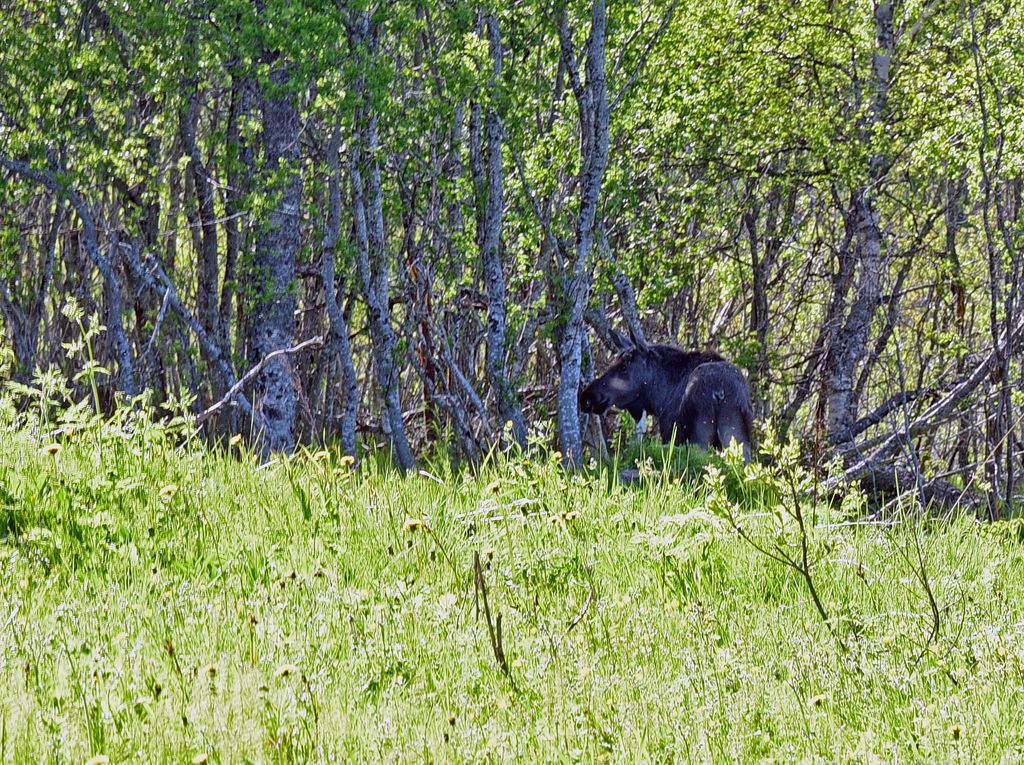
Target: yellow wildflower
pixel 492 487
pixel 235 440
pixel 348 460
pixel 98 759
pixel 412 524
pixel 52 449
pixel 168 491
pixel 201 759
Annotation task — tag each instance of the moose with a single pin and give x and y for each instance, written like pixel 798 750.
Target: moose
pixel 699 396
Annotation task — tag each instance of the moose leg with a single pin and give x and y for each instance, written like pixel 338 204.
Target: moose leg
pixel 732 424
pixel 695 425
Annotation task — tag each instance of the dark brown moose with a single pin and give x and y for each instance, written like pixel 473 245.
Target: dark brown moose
pixel 699 395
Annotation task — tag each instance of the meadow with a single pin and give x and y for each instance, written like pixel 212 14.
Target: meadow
pixel 163 601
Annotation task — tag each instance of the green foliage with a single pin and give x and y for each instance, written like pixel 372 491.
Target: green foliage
pixel 718 109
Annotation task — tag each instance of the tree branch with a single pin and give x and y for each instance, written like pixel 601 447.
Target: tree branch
pixel 235 389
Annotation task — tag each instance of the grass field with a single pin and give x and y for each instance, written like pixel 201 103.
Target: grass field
pixel 168 603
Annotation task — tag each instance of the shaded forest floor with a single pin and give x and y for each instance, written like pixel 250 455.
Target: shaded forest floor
pixel 161 603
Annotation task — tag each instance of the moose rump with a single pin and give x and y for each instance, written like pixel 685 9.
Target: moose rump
pixel 699 397
pixel 715 408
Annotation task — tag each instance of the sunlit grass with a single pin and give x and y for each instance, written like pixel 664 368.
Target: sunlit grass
pixel 167 603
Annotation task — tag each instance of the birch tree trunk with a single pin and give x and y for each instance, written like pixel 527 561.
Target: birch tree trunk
pixel 371 253
pixel 490 252
pixel 851 341
pixel 208 260
pixel 592 99
pixel 236 224
pixel 277 246
pixel 339 341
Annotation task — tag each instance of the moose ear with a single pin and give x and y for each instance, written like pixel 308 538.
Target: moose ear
pixel 638 341
pixel 619 341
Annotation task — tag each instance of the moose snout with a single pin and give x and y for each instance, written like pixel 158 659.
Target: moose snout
pixel 591 402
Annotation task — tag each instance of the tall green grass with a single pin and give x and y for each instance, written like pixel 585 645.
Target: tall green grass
pixel 164 602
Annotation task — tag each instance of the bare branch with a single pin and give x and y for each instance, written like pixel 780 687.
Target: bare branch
pixel 235 389
pixel 666 20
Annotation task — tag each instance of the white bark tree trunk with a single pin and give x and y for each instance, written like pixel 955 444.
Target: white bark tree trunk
pixel 592 99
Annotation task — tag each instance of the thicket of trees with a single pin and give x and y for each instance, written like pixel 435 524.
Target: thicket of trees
pixel 464 200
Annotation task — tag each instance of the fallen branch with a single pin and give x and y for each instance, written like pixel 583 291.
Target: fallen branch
pixel 235 389
pixel 894 480
pixel 853 430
